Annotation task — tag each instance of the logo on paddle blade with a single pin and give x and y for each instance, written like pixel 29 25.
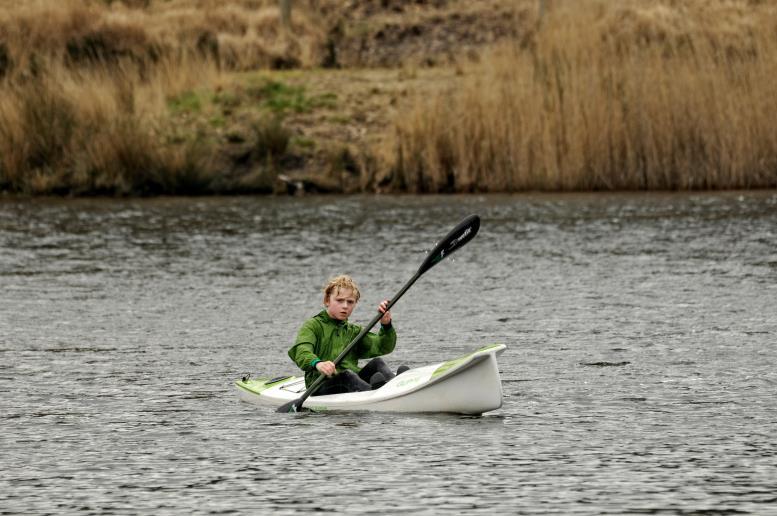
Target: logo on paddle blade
pixel 463 235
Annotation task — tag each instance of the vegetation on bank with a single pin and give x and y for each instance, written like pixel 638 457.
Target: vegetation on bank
pixel 146 97
pixel 123 98
pixel 640 96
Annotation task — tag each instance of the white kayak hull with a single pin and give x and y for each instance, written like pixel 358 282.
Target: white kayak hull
pixel 470 384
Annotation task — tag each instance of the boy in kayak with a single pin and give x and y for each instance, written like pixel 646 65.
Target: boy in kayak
pixel 322 338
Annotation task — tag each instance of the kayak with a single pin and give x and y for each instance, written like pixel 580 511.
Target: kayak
pixel 469 384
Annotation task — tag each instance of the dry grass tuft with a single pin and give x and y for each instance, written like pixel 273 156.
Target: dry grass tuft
pixel 86 87
pixel 96 132
pixel 237 35
pixel 607 97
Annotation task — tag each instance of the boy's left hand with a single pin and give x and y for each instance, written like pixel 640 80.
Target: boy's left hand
pixel 386 319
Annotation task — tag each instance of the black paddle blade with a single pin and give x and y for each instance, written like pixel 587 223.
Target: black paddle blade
pixel 290 407
pixel 457 238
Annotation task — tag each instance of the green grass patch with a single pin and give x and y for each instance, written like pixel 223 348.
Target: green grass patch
pixel 226 99
pixel 217 121
pixel 327 100
pixel 186 102
pixel 302 142
pixel 281 98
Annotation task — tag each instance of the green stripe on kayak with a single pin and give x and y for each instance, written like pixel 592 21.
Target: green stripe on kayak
pixel 258 385
pixel 450 364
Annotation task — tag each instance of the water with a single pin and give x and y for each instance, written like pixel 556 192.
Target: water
pixel 639 376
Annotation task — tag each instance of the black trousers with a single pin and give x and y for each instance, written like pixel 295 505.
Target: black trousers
pixel 348 381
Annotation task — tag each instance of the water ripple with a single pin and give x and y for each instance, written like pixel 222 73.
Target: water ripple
pixel 638 377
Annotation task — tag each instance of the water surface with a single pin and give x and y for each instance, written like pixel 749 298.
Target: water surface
pixel 639 376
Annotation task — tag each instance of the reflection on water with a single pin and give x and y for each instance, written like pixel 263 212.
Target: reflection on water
pixel 639 375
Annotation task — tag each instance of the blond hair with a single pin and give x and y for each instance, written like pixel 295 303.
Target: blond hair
pixel 338 282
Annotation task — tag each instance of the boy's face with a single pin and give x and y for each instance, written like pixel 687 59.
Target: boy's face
pixel 340 304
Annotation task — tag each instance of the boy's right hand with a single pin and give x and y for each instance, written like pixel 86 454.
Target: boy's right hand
pixel 328 368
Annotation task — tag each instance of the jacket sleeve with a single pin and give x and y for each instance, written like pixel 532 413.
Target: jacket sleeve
pixel 303 352
pixel 374 345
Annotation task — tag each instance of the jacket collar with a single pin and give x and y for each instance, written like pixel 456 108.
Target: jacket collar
pixel 331 320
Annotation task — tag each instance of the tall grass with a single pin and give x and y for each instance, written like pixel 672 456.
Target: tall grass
pixel 85 88
pixel 235 34
pixel 627 95
pixel 96 131
pixel 596 95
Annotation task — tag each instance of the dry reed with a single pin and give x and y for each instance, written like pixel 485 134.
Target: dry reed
pixel 236 34
pixel 85 89
pixel 598 95
pixel 98 131
pixel 608 96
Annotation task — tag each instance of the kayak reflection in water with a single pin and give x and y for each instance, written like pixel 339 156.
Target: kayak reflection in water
pixel 323 337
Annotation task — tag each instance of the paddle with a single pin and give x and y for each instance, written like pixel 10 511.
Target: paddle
pixel 458 237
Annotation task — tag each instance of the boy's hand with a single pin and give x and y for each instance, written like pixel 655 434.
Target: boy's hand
pixel 327 368
pixel 386 319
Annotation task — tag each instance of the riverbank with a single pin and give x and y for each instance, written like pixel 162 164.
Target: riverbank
pixel 199 97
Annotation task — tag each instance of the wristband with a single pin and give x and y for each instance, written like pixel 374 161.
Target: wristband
pixel 314 362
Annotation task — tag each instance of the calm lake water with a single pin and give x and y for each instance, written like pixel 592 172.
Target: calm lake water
pixel 639 378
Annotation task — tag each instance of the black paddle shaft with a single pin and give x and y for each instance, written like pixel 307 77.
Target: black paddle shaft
pixel 456 238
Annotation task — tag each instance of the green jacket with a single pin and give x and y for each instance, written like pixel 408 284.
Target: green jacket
pixel 322 338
